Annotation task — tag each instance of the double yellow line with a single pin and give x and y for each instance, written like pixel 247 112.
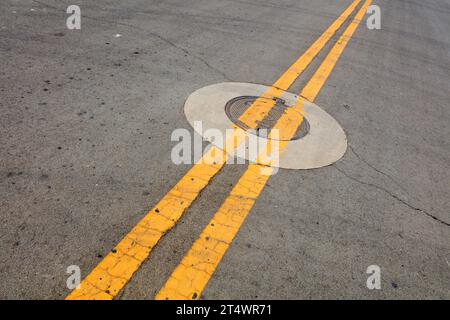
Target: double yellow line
pixel 188 280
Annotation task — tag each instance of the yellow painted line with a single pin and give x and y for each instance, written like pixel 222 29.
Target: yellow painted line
pixel 262 106
pixel 109 277
pixel 197 267
pixel 312 89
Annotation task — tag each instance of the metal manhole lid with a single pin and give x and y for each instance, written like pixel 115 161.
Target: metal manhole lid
pixel 236 107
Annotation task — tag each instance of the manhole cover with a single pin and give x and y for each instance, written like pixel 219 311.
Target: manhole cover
pixel 237 106
pixel 216 105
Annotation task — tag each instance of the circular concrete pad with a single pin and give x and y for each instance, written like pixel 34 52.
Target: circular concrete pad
pixel 324 144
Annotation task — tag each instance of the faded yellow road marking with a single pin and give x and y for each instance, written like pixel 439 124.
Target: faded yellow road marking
pixel 197 267
pixel 109 277
pixel 262 106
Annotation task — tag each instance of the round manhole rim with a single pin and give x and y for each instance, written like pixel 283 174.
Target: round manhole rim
pixel 302 131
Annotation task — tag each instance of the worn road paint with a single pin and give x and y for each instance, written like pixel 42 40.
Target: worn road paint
pixel 193 273
pixel 261 107
pixel 109 277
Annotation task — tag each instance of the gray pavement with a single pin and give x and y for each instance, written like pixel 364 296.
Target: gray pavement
pixel 86 119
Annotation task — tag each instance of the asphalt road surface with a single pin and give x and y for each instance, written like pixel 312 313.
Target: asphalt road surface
pixel 87 116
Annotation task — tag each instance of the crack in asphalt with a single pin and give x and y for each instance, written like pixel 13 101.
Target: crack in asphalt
pixel 377 170
pixel 393 196
pixel 153 34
